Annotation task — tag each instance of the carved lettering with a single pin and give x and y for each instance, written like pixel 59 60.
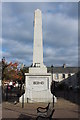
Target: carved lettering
pixel 37 82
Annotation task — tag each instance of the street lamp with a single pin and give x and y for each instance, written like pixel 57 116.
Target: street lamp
pixel 52 85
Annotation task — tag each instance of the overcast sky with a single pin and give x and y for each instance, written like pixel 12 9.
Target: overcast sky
pixel 60 32
pixel 39 0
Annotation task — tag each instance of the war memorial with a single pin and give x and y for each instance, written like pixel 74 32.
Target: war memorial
pixel 38 81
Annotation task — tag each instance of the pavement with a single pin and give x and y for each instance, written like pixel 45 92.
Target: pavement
pixel 63 109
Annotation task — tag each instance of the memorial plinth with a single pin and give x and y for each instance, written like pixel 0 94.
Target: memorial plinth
pixel 38 87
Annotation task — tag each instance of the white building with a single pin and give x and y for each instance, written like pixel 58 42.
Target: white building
pixel 65 74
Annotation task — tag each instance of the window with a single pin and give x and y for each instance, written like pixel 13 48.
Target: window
pixel 57 76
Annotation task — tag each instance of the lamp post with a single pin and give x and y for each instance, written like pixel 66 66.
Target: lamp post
pixel 53 84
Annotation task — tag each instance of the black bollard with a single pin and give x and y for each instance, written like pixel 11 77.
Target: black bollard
pixel 23 99
pixel 7 93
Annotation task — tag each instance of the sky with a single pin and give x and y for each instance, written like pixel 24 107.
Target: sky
pixel 39 0
pixel 59 26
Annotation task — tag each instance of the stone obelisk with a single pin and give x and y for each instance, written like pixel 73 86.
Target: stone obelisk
pixel 37 81
pixel 38 42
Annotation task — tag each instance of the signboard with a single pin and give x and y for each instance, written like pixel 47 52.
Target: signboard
pixel 38 83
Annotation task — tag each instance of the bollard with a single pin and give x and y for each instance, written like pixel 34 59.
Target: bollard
pixel 23 101
pixel 27 100
pixel 7 93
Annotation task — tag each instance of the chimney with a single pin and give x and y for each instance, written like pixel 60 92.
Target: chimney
pixel 64 65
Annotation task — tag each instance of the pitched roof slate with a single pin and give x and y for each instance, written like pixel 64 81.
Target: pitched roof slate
pixel 63 70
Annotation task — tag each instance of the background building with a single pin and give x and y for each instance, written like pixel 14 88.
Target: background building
pixel 65 74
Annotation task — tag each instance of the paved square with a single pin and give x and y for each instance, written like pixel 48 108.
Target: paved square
pixel 63 109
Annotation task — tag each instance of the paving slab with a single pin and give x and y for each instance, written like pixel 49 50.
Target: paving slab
pixel 63 109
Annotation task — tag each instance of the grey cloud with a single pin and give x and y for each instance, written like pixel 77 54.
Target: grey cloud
pixel 60 60
pixel 16 51
pixel 60 31
pixel 40 1
pixel 60 56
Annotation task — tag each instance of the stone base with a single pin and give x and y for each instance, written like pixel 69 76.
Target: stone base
pixel 39 70
pixel 37 86
pixel 37 96
pixel 25 99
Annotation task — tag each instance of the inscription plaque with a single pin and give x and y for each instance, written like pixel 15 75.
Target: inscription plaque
pixel 38 83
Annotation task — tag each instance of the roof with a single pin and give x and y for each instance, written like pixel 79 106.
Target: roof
pixel 60 69
pixel 63 70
